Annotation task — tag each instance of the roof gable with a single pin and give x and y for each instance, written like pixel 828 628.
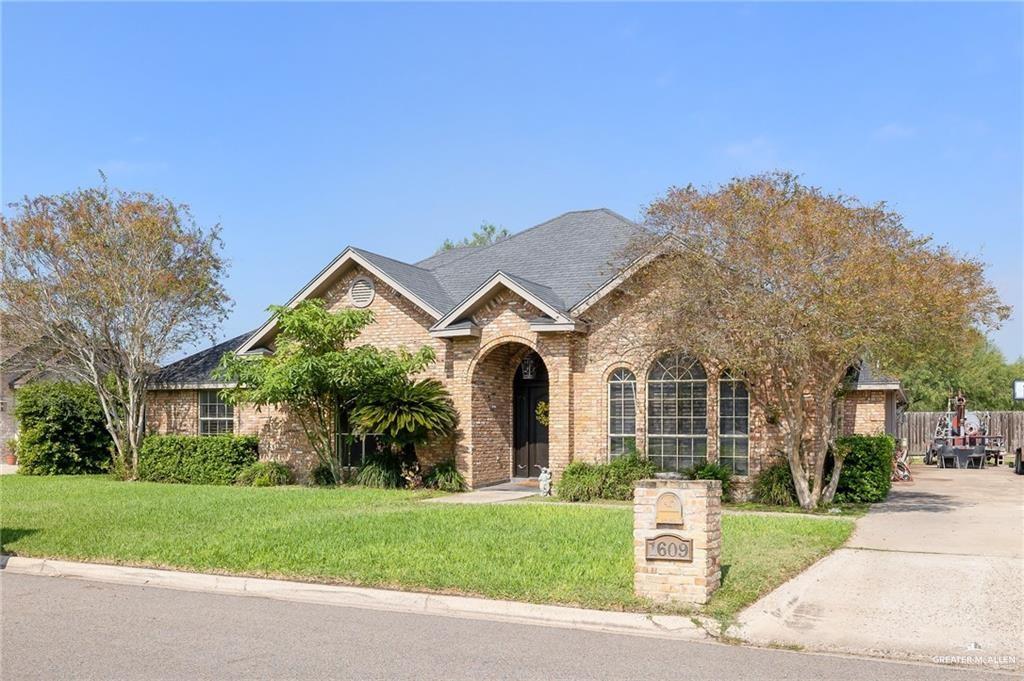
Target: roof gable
pixel 571 255
pixel 541 297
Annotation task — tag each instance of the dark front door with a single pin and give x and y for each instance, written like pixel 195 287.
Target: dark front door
pixel 530 434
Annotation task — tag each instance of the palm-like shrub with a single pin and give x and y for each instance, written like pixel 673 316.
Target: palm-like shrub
pixel 381 470
pixel 408 412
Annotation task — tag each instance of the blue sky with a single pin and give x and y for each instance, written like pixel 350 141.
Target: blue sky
pixel 304 128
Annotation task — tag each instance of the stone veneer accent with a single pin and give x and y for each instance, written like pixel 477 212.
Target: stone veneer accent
pixel 666 581
pixel 478 373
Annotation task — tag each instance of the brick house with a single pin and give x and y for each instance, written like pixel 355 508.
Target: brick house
pixel 20 365
pixel 535 318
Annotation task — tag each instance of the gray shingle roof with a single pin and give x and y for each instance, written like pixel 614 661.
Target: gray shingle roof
pixel 197 368
pixel 545 293
pixel 867 377
pixel 561 261
pixel 571 255
pixel 445 257
pixel 419 281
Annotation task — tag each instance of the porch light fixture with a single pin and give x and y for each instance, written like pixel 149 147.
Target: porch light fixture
pixel 528 368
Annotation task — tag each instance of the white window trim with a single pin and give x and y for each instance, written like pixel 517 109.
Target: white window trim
pixel 676 436
pixel 610 382
pixel 208 419
pixel 724 378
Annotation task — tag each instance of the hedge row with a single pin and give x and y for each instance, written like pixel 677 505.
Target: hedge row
pixel 63 431
pixel 196 460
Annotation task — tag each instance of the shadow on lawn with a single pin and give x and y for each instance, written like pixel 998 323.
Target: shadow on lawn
pixel 10 534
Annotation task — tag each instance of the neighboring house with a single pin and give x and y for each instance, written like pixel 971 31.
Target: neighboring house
pixel 874 403
pixel 535 318
pixel 19 366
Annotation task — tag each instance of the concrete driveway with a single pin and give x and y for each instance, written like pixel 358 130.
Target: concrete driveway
pixel 936 572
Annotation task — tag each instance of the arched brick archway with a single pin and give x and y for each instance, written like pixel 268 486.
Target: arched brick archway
pixel 492 378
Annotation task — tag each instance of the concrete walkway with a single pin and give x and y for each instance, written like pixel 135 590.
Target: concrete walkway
pixel 514 490
pixel 934 572
pixel 480 496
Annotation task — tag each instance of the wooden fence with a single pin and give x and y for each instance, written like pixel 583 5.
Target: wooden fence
pixel 919 429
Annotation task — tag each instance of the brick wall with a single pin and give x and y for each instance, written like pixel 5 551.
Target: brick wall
pixel 864 412
pixel 616 339
pixel 478 372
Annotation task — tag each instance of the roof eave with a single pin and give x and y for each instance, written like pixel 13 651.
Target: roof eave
pixel 190 385
pixel 619 277
pixel 552 327
pixel 457 332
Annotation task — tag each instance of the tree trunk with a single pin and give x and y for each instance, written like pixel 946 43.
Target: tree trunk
pixel 830 491
pixel 795 455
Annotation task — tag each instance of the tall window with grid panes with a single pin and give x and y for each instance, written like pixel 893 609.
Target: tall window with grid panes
pixel 677 412
pixel 621 412
pixel 733 425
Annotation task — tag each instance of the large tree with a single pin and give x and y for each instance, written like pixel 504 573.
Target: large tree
pixel 317 370
pixel 110 283
pixel 787 287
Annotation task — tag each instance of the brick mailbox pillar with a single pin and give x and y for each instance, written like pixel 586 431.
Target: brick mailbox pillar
pixel 677 539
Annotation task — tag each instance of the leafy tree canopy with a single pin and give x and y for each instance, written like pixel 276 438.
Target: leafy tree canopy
pixel 981 372
pixel 488 234
pixel 788 286
pixel 112 282
pixel 316 369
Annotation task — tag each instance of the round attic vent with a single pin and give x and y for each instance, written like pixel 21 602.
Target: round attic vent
pixel 361 292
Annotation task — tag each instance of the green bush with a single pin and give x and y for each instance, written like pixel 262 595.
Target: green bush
pixel 446 477
pixel 322 476
pixel 622 474
pixel 774 485
pixel 582 481
pixel 708 470
pixel 196 460
pixel 265 474
pixel 866 475
pixel 614 480
pixel 382 470
pixel 63 430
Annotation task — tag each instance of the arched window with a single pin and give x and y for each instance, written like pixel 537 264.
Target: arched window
pixel 621 412
pixel 733 424
pixel 677 413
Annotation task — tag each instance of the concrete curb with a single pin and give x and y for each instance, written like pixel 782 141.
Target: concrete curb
pixel 639 624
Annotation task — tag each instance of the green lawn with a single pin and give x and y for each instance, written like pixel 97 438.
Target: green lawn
pixel 531 552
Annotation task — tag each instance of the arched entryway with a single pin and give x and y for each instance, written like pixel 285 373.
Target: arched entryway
pixel 508 381
pixel 529 417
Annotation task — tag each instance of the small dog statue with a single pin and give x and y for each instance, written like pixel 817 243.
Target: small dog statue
pixel 545 481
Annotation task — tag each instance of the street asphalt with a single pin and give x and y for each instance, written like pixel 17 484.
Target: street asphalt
pixel 61 628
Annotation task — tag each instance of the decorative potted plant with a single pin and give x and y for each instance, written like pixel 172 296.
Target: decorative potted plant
pixel 11 455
